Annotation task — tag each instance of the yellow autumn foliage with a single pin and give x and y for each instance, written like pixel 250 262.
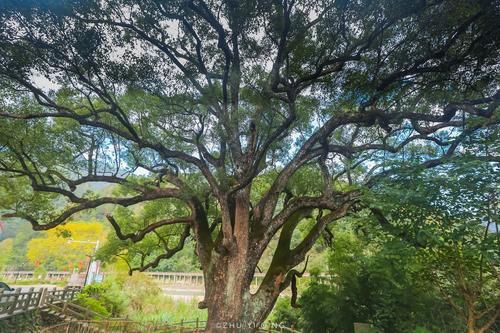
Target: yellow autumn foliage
pixel 60 248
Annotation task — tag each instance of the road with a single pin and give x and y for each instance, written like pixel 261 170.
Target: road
pixel 183 293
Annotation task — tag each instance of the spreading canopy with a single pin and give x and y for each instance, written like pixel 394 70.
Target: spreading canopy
pixel 213 107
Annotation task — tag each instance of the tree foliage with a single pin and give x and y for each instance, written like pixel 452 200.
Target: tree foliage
pixel 61 249
pixel 372 283
pixel 204 97
pixel 6 246
pixel 453 220
pixel 423 254
pixel 20 233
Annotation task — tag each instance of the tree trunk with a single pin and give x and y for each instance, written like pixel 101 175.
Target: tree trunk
pixel 231 306
pixel 228 301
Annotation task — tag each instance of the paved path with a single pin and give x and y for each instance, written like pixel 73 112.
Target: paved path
pixel 184 294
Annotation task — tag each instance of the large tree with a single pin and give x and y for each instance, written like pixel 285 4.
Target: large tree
pixel 208 97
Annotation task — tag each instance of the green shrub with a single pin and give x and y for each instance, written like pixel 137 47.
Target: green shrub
pixel 369 284
pixel 137 297
pixel 283 313
pixel 92 304
pixel 30 321
pixel 106 297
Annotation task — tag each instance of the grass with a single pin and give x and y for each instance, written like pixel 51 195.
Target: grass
pixel 167 309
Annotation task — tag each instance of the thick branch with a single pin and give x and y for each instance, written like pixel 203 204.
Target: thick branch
pixel 88 204
pixel 168 254
pixel 139 235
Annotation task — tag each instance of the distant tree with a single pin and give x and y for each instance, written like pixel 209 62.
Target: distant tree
pixel 203 98
pixel 6 251
pixel 60 249
pixel 22 234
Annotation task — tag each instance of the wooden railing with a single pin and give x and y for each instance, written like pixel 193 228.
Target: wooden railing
pixel 19 301
pixel 75 311
pixel 105 326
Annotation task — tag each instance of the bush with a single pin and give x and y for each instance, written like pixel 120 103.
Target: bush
pixel 283 313
pixel 30 321
pixel 92 304
pixel 105 298
pixel 372 284
pixel 136 297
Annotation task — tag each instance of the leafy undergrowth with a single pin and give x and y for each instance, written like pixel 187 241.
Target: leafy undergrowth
pixel 21 323
pixel 137 297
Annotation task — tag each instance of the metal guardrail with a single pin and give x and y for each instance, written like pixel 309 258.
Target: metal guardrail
pixel 194 279
pixel 19 301
pixel 30 275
